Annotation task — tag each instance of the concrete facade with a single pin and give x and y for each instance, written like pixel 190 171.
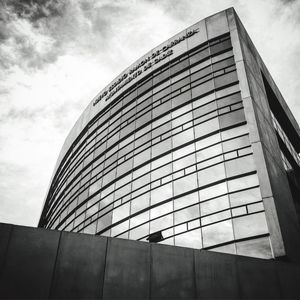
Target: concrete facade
pixel 46 264
pixel 278 201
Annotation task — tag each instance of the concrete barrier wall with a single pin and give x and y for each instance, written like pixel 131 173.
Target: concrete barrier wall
pixel 44 264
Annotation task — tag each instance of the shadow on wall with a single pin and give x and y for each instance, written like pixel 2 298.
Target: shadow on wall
pixel 46 264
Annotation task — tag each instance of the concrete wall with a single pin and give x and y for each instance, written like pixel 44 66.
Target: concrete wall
pixel 280 210
pixel 45 264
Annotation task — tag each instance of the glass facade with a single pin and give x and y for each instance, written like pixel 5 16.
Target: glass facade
pixel 169 158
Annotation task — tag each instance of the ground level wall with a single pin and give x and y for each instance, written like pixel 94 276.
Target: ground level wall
pixel 48 264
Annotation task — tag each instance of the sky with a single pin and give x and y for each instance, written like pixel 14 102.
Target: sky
pixel 56 55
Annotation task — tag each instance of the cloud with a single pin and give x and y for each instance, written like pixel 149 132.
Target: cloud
pixel 56 55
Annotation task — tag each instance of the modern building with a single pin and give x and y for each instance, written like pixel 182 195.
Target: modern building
pixel 192 145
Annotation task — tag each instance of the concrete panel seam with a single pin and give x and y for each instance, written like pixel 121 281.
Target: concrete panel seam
pixel 194 274
pixel 6 250
pixel 54 266
pixel 150 270
pixel 108 242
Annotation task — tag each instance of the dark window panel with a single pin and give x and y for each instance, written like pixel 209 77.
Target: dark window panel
pixel 161 94
pixel 196 57
pixel 232 118
pixel 161 77
pixel 179 67
pixel 161 109
pixel 220 47
pixel 201 73
pixel 181 98
pixel 144 87
pixel 179 84
pixel 202 89
pixel 225 101
pixel 223 64
pixel 225 79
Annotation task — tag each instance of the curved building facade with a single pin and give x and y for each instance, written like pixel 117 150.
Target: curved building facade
pixel 169 152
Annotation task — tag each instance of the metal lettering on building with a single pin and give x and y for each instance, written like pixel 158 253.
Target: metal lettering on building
pixel 142 66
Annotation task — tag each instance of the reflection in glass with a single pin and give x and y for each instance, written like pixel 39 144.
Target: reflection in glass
pixel 120 228
pixel 121 212
pixel 213 191
pixel 256 248
pixel 140 203
pixel 206 127
pixel 185 184
pixel 250 225
pixel 161 223
pixel 186 214
pixel 183 137
pixel 244 197
pixel 161 210
pixel 104 221
pixel 161 193
pixel 211 174
pixel 240 165
pixel 184 162
pixel 216 217
pixel 217 233
pixel 230 249
pixel 242 183
pixel 186 200
pixel 214 205
pixel 232 118
pixel 189 239
pixel 139 232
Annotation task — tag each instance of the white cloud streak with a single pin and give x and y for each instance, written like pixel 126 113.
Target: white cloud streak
pixel 55 56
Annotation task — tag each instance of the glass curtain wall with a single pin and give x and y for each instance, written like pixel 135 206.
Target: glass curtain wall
pixel 170 158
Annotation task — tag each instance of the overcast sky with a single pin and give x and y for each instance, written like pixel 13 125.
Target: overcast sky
pixel 56 55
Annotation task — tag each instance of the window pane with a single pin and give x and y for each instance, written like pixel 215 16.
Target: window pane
pixel 209 152
pixel 161 147
pixel 140 203
pixel 203 53
pixel 186 200
pixel 251 225
pixel 161 223
pixel 213 191
pixel 206 127
pixel 225 79
pixel 161 193
pixel 236 143
pixel 181 98
pixel 183 151
pixel 214 205
pixel 185 184
pixel 120 228
pixel 189 239
pixel 239 165
pixel 183 137
pixel 232 118
pixel 217 233
pixel 186 214
pixel 121 212
pixel 211 174
pixel 259 248
pixel 104 221
pixel 215 217
pixel 242 183
pixel 245 197
pixel 184 162
pixel 161 210
pixel 230 249
pixel 139 232
pixel 202 88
